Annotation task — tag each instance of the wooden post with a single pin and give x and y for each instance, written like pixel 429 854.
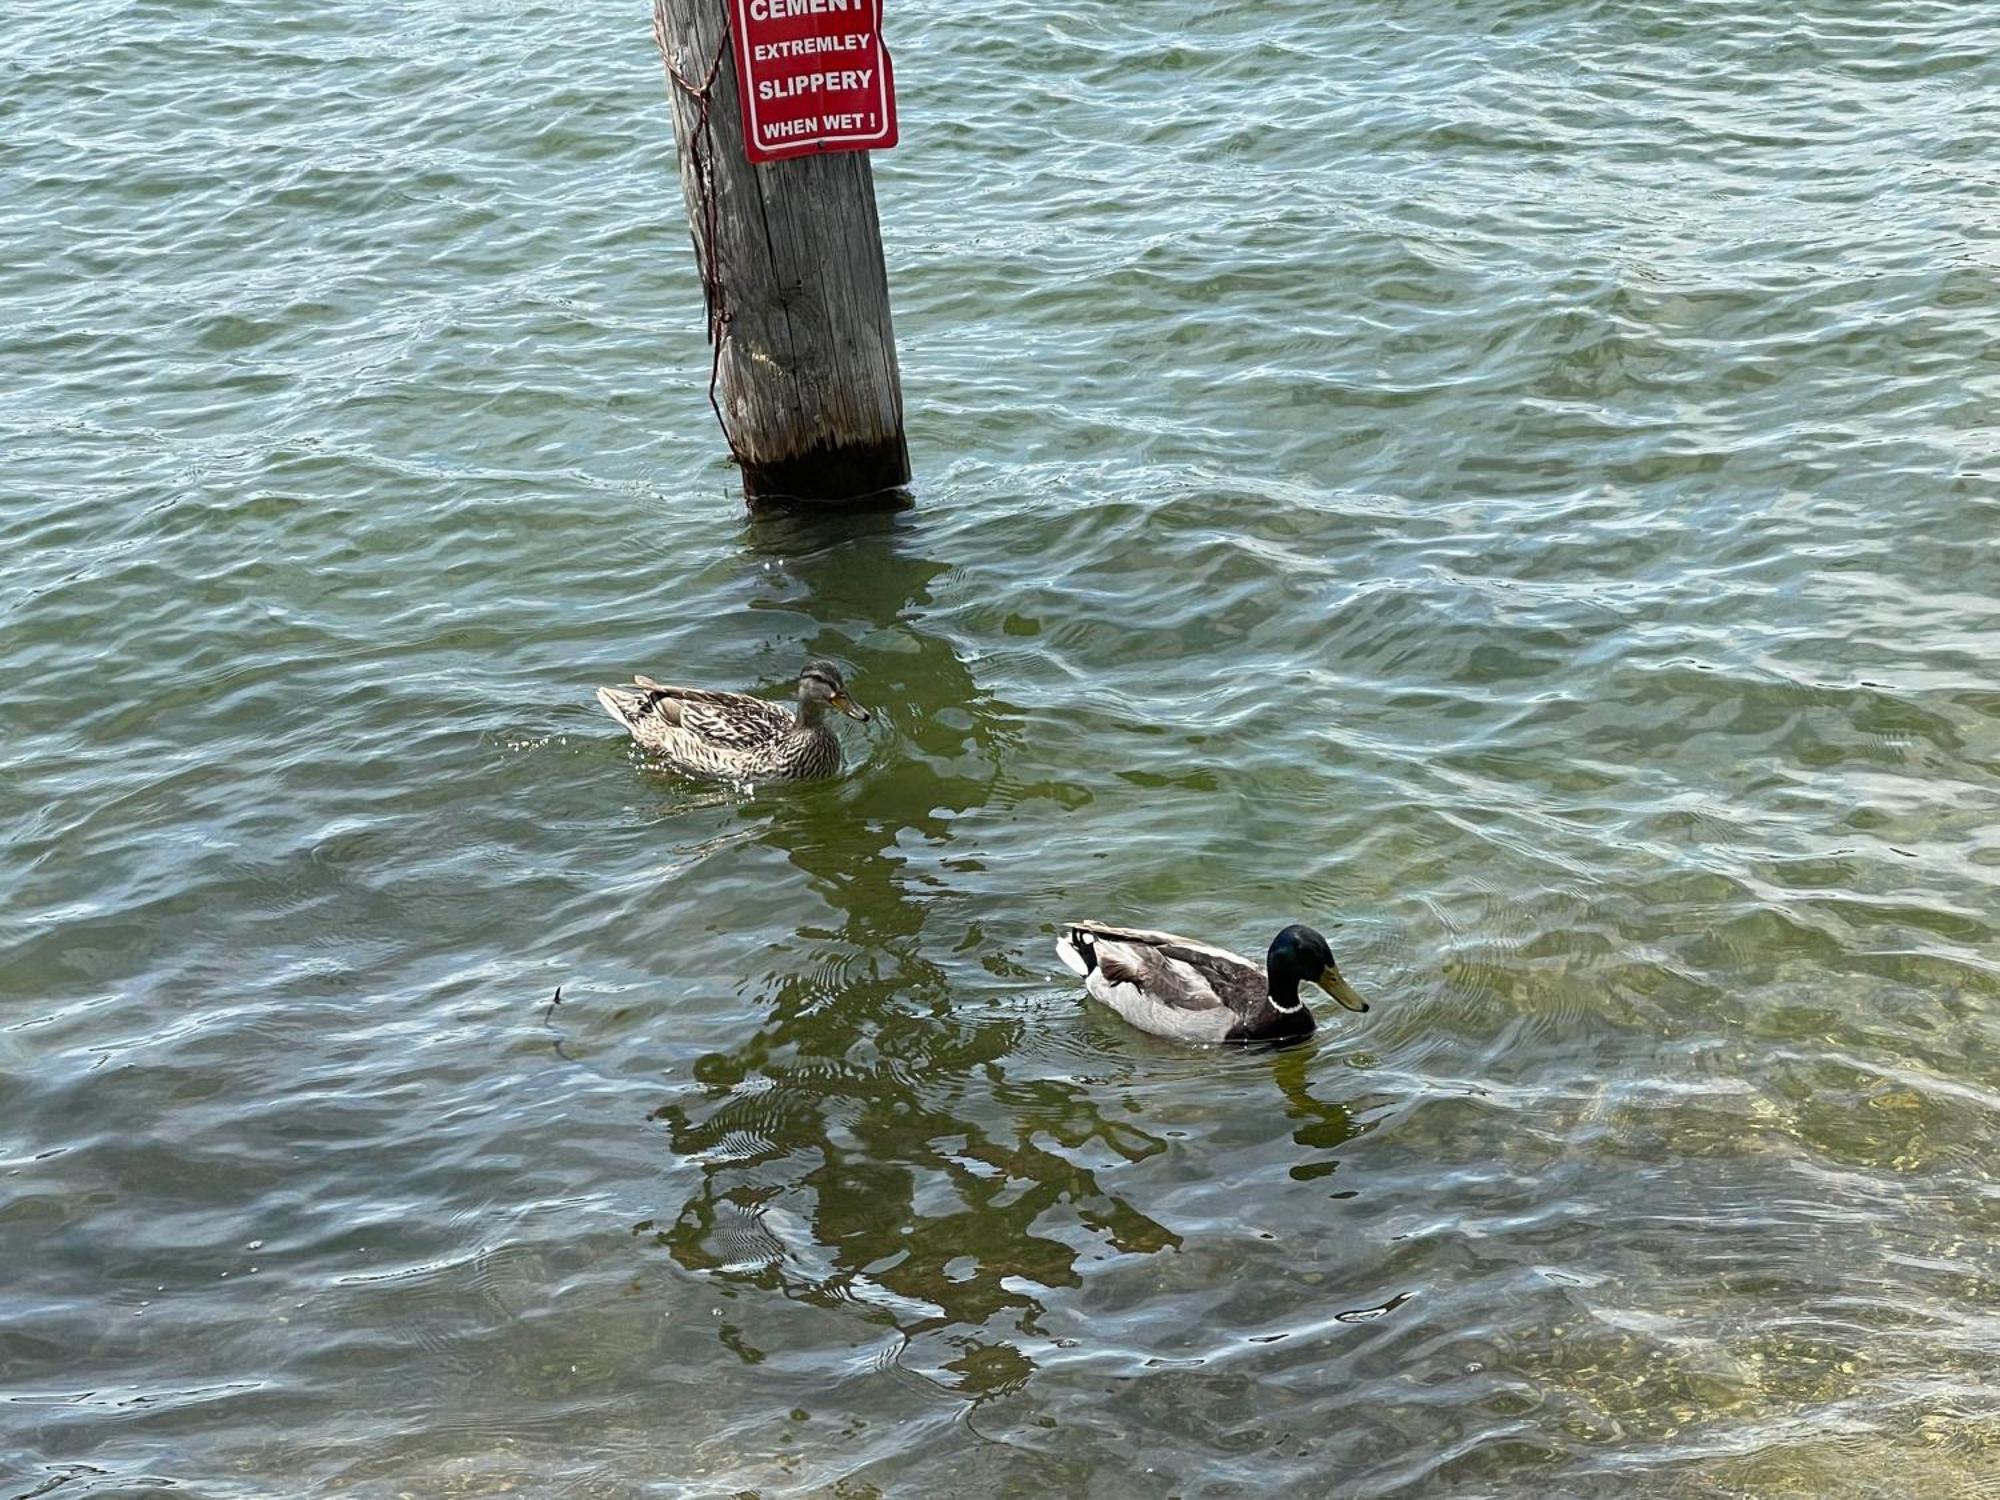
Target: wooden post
pixel 804 379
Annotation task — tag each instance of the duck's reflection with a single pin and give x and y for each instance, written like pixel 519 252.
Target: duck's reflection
pixel 1324 1125
pixel 866 1146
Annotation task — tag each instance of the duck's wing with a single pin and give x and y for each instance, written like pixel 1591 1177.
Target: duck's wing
pixel 1160 980
pixel 1195 965
pixel 654 711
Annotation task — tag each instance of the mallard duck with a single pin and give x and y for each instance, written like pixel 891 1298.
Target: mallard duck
pixel 1178 987
pixel 733 736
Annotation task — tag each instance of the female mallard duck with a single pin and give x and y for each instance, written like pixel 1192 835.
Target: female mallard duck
pixel 1177 987
pixel 732 736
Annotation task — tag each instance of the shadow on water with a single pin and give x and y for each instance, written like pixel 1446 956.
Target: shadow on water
pixel 865 1148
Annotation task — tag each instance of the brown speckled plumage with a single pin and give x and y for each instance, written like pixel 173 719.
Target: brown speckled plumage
pixel 733 736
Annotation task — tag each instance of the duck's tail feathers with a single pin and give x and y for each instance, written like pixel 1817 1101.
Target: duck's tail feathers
pixel 1074 948
pixel 621 703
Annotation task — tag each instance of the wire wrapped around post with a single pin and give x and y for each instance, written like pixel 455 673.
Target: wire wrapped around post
pixel 702 142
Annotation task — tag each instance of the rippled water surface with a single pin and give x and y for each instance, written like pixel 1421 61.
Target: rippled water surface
pixel 1516 480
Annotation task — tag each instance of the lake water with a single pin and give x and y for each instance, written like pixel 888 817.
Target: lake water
pixel 1518 481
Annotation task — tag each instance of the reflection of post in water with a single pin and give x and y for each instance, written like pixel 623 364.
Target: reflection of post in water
pixel 1323 1125
pixel 865 1146
pixel 854 585
pixel 854 582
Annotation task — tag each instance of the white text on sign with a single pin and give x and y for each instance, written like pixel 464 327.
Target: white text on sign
pixel 812 76
pixel 779 10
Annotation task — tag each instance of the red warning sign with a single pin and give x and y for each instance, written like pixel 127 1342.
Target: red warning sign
pixel 813 76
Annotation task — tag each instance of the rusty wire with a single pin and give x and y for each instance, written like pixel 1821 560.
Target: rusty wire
pixel 701 146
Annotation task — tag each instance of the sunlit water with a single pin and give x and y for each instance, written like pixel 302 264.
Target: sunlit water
pixel 1517 481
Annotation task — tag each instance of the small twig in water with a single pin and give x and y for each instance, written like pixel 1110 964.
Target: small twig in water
pixel 548 1020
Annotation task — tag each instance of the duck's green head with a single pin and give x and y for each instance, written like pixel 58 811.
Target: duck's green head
pixel 820 686
pixel 1299 953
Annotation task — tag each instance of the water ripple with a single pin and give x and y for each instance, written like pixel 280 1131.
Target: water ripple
pixel 1521 489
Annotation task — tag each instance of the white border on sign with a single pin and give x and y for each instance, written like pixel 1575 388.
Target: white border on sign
pixel 802 144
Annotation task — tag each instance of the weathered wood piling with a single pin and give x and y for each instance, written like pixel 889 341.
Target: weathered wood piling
pixel 804 378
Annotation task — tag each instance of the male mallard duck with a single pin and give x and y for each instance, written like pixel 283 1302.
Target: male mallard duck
pixel 1177 987
pixel 732 736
